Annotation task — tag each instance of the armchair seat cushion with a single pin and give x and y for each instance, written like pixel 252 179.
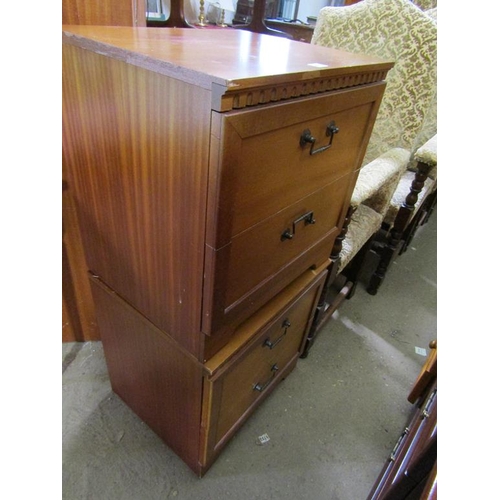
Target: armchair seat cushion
pixel 365 222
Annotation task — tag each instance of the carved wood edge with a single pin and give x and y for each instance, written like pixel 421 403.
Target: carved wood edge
pixel 228 98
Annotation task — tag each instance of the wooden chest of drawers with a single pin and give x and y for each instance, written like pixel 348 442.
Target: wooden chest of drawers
pixel 212 170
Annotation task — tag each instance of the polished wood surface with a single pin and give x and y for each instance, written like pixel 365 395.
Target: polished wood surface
pixel 139 171
pixel 104 12
pixel 266 315
pixel 120 179
pixel 210 417
pixel 234 59
pixel 162 382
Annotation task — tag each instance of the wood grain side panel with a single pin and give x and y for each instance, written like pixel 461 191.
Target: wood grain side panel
pixel 137 144
pixel 160 383
pixel 104 12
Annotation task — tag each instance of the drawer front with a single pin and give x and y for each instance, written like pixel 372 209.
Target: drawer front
pixel 219 321
pixel 261 261
pixel 252 373
pixel 262 162
pixel 266 248
pixel 265 189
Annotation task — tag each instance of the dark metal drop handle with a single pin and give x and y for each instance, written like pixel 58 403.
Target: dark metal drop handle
pixel 308 218
pixel 307 138
pixel 428 404
pixel 286 324
pixel 259 387
pixel 395 450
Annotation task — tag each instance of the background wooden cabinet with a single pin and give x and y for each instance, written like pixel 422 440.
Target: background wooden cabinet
pixel 104 12
pixel 78 316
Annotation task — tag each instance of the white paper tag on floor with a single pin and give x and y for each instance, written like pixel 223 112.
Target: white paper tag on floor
pixel 263 439
pixel 421 351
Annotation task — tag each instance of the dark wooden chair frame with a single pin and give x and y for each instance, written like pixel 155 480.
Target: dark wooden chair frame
pixel 406 223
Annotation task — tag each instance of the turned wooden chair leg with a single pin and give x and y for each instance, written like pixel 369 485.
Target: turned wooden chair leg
pixel 386 256
pixel 339 241
pixel 323 309
pixel 419 220
pixel 332 272
pixel 395 238
pixel 430 207
pixel 353 272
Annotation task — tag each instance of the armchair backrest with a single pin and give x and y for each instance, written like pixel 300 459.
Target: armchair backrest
pixel 400 31
pixel 429 127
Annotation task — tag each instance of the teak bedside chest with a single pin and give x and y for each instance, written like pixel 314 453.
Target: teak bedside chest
pixel 212 172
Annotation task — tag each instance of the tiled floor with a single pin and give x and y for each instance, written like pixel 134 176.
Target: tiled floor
pixel 332 423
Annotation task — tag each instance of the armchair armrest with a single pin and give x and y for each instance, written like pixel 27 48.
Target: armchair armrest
pixel 428 152
pixel 376 174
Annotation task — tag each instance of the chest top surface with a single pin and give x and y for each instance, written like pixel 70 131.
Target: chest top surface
pixel 229 59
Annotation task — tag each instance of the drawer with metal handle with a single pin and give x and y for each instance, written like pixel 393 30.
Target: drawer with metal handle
pixel 262 260
pixel 260 354
pixel 265 159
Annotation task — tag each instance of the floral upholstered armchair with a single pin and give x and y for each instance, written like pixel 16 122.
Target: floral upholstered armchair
pixel 399 31
pixel 415 196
